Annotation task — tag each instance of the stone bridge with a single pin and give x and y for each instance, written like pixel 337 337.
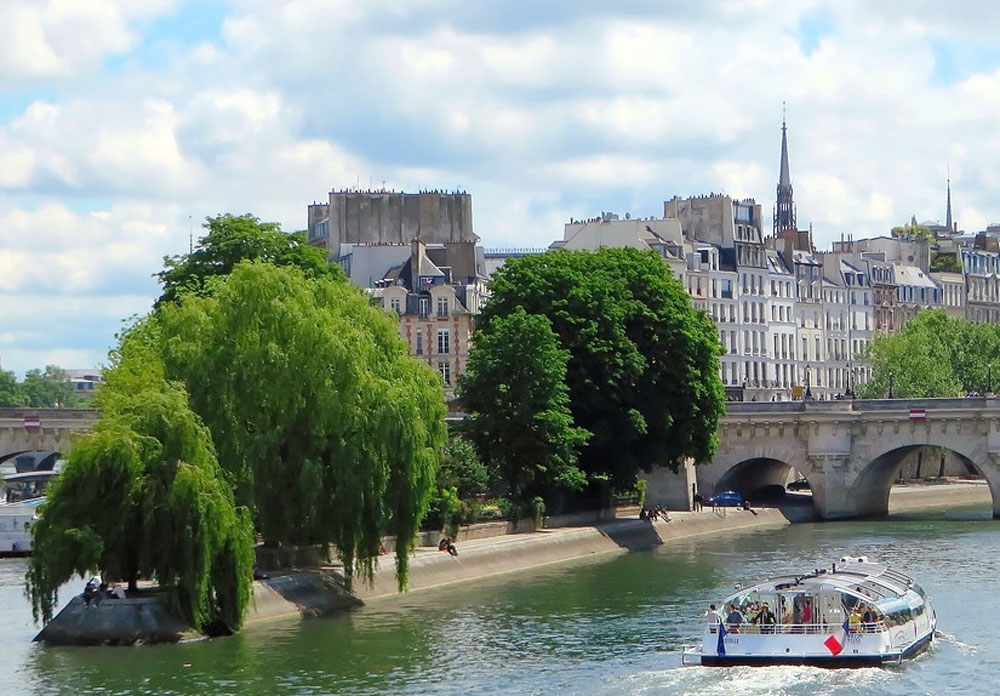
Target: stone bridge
pixel 849 451
pixel 40 429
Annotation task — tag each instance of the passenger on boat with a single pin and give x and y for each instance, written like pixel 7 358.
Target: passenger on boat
pixel 765 619
pixel 734 619
pixel 712 615
pixel 854 620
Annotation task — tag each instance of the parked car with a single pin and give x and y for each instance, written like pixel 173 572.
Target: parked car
pixel 799 485
pixel 727 499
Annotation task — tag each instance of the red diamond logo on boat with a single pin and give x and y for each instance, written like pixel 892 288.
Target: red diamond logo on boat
pixel 833 645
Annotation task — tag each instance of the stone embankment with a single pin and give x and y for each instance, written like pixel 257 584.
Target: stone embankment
pixel 482 557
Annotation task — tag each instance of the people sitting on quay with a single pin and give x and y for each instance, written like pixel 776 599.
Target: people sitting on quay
pixel 656 513
pixel 446 544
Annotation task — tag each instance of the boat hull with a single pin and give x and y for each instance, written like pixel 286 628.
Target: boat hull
pixel 831 661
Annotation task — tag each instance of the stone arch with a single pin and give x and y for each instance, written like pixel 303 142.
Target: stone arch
pixel 869 491
pixel 32 459
pixel 790 451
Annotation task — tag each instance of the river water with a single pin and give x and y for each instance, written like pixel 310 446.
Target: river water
pixel 604 626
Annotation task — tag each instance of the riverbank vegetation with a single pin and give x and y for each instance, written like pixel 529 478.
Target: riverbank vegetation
pixel 143 496
pixel 48 388
pixel 263 395
pixel 934 355
pixel 641 372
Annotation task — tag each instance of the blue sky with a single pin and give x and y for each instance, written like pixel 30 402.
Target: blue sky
pixel 121 120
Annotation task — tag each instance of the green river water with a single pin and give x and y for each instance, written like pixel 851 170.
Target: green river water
pixel 613 625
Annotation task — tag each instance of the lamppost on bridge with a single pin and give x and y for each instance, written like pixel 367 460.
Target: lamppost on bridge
pixel 809 393
pixel 849 393
pixel 890 395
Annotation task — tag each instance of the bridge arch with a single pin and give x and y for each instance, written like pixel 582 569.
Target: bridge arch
pixel 32 460
pixel 876 475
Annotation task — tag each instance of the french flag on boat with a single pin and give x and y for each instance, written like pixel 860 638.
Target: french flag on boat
pixel 918 414
pixel 836 646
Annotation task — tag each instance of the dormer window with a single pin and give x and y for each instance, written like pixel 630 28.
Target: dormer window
pixel 425 307
pixel 442 306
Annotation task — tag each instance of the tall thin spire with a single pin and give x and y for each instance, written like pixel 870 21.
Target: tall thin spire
pixel 948 220
pixel 784 210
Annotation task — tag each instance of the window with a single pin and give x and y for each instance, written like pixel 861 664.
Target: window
pixel 444 341
pixel 420 342
pixel 394 304
pixel 442 306
pixel 444 368
pixel 425 307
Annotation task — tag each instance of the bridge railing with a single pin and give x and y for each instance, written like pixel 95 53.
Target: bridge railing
pixel 86 414
pixel 734 408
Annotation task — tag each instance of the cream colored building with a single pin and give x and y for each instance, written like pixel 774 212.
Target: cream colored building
pixel 436 308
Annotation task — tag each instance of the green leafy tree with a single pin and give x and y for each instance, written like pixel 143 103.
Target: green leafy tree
pixel 912 230
pixel 232 239
pixel 934 356
pixel 643 372
pixel 518 401
pixel 460 468
pixel 11 392
pixel 330 430
pixel 142 495
pixel 49 388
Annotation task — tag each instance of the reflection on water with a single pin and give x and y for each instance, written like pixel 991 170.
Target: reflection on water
pixel 608 626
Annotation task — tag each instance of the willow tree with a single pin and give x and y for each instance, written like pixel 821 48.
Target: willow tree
pixel 329 429
pixel 142 495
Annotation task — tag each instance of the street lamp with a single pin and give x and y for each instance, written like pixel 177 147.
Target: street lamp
pixel 850 382
pixel 891 395
pixel 809 393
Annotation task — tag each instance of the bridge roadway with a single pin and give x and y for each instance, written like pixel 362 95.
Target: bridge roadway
pixel 849 451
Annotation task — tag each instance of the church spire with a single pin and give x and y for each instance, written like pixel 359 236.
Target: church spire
pixel 948 220
pixel 784 211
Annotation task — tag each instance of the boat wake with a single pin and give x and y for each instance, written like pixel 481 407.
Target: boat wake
pixel 751 681
pixel 950 639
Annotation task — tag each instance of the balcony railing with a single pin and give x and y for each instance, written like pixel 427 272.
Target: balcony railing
pixel 804 629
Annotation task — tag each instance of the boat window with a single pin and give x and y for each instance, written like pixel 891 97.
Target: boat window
pixel 898 617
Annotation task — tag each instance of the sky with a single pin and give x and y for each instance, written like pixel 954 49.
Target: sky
pixel 124 123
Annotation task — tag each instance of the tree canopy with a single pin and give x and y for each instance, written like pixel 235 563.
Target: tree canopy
pixel 49 388
pixel 515 391
pixel 232 239
pixel 934 355
pixel 142 495
pixel 330 431
pixel 643 363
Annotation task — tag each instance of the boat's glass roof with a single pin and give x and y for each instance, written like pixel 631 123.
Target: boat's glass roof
pixel 869 581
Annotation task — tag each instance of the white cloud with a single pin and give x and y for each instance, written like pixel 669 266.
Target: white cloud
pixel 577 108
pixel 60 39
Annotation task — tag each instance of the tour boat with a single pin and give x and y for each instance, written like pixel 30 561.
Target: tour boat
pixel 19 510
pixel 856 613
